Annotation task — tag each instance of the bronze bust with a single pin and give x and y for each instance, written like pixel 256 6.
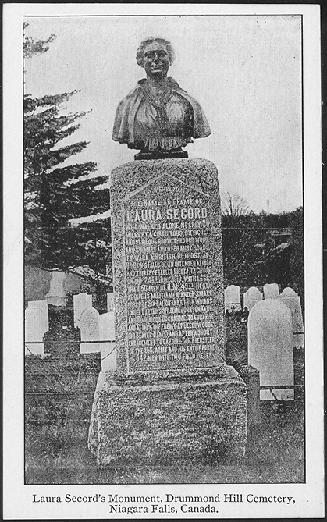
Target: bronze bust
pixel 158 117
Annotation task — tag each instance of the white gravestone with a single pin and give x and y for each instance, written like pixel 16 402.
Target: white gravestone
pixel 271 291
pixel 292 300
pixel 110 302
pixel 251 297
pixel 270 348
pixel 90 331
pixel 107 333
pixel 36 324
pixel 232 298
pixel 57 295
pixel 81 302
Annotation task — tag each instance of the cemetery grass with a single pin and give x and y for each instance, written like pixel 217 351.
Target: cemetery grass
pixel 56 429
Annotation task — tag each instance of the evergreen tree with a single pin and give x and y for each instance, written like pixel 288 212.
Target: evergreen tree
pixel 56 193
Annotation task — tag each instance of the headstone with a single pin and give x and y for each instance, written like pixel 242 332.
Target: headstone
pixel 57 295
pixel 270 348
pixel 271 291
pixel 107 333
pixel 36 324
pixel 232 298
pixel 291 299
pixel 81 302
pixel 89 327
pixel 251 297
pixel 110 302
pixel 169 308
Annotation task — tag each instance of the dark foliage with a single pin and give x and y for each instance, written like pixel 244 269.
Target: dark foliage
pixel 297 252
pixel 55 193
pixel 255 252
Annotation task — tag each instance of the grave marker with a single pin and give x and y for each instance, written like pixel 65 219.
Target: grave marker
pixel 89 327
pixel 81 302
pixel 232 298
pixel 292 300
pixel 36 324
pixel 270 348
pixel 251 297
pixel 57 295
pixel 271 291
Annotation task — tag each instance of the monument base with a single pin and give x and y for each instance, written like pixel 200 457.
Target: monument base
pixel 157 154
pixel 202 417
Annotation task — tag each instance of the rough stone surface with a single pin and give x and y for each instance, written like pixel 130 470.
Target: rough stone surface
pixel 167 259
pixel 160 421
pixel 171 393
pixel 270 348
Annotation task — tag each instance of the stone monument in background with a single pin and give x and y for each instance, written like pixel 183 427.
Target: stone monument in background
pixel 170 393
pixel 270 348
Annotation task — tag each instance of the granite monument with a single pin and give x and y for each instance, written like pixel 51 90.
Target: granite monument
pixel 170 393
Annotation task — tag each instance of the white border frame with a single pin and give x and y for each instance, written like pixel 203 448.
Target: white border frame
pixel 309 497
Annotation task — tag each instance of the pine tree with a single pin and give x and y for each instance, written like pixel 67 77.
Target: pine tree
pixel 56 193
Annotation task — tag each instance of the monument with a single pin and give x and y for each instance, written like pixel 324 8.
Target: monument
pixel 170 393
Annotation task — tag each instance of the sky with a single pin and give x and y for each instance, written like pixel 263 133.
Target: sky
pixel 245 71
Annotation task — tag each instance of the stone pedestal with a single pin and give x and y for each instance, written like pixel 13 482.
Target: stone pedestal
pixel 152 420
pixel 172 392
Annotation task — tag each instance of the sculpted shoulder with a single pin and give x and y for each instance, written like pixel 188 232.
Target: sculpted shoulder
pixel 130 98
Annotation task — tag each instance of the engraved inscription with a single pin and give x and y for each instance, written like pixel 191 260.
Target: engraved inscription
pixel 169 296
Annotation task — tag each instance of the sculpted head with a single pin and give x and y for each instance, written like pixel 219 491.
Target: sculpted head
pixel 155 55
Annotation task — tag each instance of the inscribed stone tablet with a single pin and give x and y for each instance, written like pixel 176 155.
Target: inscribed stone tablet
pixel 171 303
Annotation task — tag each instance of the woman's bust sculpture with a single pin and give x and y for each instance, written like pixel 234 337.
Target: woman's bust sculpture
pixel 158 117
